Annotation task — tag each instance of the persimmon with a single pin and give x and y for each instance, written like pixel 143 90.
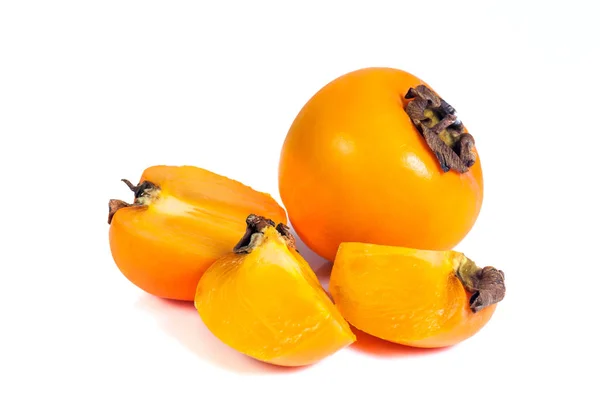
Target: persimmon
pixel 419 298
pixel 182 219
pixel 265 301
pixel 376 156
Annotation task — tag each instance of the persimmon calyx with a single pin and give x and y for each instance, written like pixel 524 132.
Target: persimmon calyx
pixel 255 230
pixel 443 132
pixel 486 284
pixel 145 193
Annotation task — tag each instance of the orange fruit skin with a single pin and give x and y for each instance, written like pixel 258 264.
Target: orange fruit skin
pixel 164 248
pixel 270 305
pixel 406 296
pixel 353 168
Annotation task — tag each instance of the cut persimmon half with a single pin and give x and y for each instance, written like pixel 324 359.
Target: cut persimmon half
pixel 265 301
pixel 420 298
pixel 182 219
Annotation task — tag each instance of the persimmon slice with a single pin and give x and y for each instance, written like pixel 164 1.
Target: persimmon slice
pixel 420 298
pixel 265 301
pixel 182 219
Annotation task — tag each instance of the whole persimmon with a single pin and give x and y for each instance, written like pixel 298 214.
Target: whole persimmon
pixel 376 156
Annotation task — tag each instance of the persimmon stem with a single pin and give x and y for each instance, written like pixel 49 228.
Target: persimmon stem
pixel 443 132
pixel 486 284
pixel 144 193
pixel 144 189
pixel 284 231
pixel 114 206
pixel 254 235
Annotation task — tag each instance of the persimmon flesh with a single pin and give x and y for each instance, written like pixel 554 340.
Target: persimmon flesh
pixel 265 301
pixel 183 218
pixel 361 164
pixel 420 298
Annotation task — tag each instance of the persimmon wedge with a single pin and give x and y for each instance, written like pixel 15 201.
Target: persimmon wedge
pixel 419 298
pixel 264 300
pixel 182 219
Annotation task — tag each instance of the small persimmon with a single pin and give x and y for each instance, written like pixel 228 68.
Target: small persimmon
pixel 419 298
pixel 376 156
pixel 265 301
pixel 182 220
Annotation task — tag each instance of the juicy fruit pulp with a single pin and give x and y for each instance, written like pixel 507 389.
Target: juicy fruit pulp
pixel 413 297
pixel 265 301
pixel 355 168
pixel 183 219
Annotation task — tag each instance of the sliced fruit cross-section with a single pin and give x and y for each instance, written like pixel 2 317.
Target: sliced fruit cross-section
pixel 264 300
pixel 181 221
pixel 421 298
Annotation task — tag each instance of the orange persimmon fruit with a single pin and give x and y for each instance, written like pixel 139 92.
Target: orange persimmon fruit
pixel 264 300
pixel 419 298
pixel 376 156
pixel 182 219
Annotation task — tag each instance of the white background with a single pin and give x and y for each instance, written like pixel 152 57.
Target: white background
pixel 92 92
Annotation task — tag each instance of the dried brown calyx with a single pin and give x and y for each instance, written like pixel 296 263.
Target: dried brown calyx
pixel 486 284
pixel 254 235
pixel 444 133
pixel 144 193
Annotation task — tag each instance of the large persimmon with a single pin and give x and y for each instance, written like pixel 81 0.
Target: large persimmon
pixel 376 156
pixel 182 219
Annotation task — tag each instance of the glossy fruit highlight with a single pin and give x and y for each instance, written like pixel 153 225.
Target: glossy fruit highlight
pixel 265 301
pixel 414 297
pixel 376 156
pixel 182 220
